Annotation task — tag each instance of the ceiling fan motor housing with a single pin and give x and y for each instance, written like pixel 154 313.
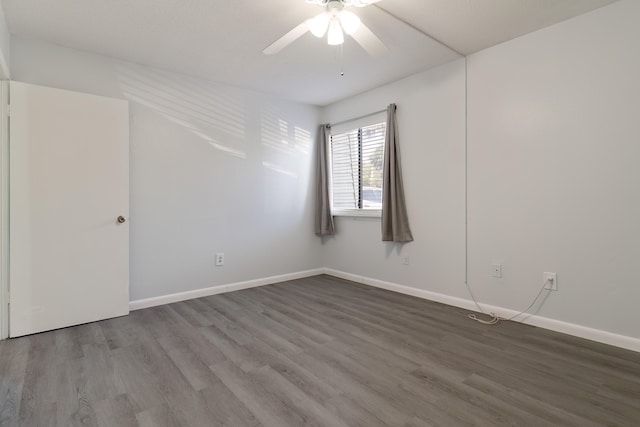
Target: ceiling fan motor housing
pixel 335 6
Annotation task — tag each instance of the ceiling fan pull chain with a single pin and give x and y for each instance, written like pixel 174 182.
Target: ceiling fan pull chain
pixel 342 60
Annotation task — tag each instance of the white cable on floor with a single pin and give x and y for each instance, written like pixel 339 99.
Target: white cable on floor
pixel 495 319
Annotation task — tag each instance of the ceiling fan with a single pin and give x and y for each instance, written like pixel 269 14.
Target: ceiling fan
pixel 334 22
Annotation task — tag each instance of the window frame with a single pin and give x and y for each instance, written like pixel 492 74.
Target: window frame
pixel 353 212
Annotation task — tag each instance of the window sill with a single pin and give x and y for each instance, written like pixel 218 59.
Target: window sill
pixel 360 213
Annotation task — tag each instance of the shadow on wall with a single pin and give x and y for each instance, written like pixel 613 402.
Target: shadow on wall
pixel 266 133
pixel 285 162
pixel 285 144
pixel 216 114
pixel 209 111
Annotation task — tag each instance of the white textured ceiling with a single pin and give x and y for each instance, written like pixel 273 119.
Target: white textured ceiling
pixel 222 40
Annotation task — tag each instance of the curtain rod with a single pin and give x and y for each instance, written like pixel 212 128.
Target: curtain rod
pixel 357 118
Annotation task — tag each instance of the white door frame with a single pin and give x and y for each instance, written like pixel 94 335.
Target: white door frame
pixel 4 209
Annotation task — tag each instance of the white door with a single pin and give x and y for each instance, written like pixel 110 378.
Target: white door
pixel 68 184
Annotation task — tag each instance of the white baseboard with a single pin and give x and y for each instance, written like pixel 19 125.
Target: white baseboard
pixel 605 337
pixel 213 290
pixel 598 335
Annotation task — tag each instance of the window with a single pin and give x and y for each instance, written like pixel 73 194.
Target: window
pixel 356 171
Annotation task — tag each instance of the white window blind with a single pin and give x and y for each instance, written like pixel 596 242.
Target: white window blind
pixel 356 169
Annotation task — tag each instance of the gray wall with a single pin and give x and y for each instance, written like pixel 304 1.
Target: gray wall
pixel 213 169
pixel 554 183
pixel 431 126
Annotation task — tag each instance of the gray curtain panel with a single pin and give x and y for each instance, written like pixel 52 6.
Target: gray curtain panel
pixel 324 219
pixel 395 223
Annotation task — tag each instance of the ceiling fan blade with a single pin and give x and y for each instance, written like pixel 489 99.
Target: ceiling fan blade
pixel 369 41
pixel 286 40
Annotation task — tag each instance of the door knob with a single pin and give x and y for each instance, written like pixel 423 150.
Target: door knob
pixel 121 219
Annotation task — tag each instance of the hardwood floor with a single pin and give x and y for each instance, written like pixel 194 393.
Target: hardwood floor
pixel 319 351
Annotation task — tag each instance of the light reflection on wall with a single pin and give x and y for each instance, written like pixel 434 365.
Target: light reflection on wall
pixel 303 140
pixel 237 123
pixel 277 169
pixel 207 110
pixel 285 143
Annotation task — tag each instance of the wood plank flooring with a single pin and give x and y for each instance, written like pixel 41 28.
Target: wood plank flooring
pixel 318 351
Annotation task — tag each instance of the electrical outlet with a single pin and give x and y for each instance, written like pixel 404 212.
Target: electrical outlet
pixel 550 281
pixel 405 260
pixel 219 259
pixel 497 270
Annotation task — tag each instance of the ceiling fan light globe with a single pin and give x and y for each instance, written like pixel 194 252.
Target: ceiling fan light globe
pixel 349 22
pixel 318 24
pixel 335 36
